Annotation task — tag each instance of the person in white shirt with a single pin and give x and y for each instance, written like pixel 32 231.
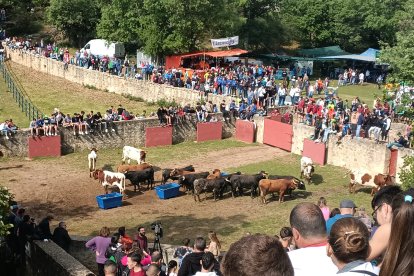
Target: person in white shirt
pixel 348 247
pixel 361 78
pixel 309 233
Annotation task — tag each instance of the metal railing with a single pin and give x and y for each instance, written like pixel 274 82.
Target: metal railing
pixel 19 94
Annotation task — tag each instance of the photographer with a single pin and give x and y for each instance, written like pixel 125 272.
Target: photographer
pixel 141 239
pixel 25 231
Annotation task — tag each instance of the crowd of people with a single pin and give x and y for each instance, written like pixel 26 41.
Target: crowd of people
pixel 343 240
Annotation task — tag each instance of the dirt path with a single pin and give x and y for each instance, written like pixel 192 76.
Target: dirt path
pixel 53 187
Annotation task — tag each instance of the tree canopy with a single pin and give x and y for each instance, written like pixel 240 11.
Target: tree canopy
pixel 170 26
pixel 77 19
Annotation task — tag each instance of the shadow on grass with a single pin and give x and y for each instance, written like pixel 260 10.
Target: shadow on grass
pixel 58 208
pixel 317 179
pixel 289 197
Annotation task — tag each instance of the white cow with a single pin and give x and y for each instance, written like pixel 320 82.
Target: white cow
pixel 92 160
pixel 134 154
pixel 306 168
pixel 107 178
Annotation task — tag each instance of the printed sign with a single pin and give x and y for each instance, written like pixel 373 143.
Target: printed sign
pixel 224 42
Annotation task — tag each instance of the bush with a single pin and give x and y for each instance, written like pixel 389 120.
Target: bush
pixel 5 198
pixel 407 172
pixel 132 98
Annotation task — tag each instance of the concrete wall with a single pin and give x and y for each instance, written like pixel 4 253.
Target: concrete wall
pixel 360 154
pixel 300 132
pixel 48 259
pixel 126 133
pixel 147 90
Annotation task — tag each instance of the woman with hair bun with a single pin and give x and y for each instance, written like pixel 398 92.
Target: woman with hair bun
pixel 348 247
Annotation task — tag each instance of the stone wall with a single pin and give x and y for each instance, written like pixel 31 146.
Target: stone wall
pixel 361 154
pixel 147 90
pixel 130 133
pixel 300 132
pixel 47 258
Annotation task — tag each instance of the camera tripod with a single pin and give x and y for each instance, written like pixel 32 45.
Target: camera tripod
pixel 157 246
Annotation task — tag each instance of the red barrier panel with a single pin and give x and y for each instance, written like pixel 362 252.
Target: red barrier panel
pixel 41 146
pixel 315 151
pixel 158 136
pixel 278 134
pixel 209 131
pixel 245 131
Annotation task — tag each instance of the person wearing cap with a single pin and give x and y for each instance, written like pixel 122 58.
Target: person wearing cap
pixel 347 209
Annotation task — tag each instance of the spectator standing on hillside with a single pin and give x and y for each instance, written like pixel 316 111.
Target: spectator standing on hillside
pixel 61 236
pixel 360 122
pixel 361 78
pixel 100 244
pixel 309 234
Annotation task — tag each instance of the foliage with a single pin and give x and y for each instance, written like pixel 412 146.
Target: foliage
pixel 5 198
pixel 407 172
pixel 353 25
pixel 401 55
pixel 77 19
pixel 120 21
pixel 163 102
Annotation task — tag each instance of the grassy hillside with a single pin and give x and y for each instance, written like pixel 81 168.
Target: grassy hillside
pixel 48 92
pixel 9 108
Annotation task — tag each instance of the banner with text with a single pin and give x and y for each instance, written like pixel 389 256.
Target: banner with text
pixel 224 42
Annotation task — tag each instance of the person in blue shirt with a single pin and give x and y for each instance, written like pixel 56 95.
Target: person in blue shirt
pixel 39 125
pixel 253 109
pixel 347 209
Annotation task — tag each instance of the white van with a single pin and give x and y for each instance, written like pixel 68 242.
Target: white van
pixel 101 47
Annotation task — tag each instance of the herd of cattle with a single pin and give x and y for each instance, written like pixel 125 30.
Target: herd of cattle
pixel 215 182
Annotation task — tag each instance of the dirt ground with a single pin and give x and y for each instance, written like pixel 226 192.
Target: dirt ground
pixel 51 187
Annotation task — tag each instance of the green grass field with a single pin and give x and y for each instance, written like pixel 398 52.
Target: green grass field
pixel 48 92
pixel 365 92
pixel 10 109
pixel 329 181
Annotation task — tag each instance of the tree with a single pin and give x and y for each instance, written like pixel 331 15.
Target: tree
pixel 401 55
pixel 77 19
pixel 5 198
pixel 120 21
pixel 262 28
pixel 407 172
pixel 354 25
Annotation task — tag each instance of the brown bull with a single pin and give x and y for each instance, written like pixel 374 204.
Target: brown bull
pixel 376 182
pixel 132 168
pixel 216 174
pixel 280 186
pixel 176 172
